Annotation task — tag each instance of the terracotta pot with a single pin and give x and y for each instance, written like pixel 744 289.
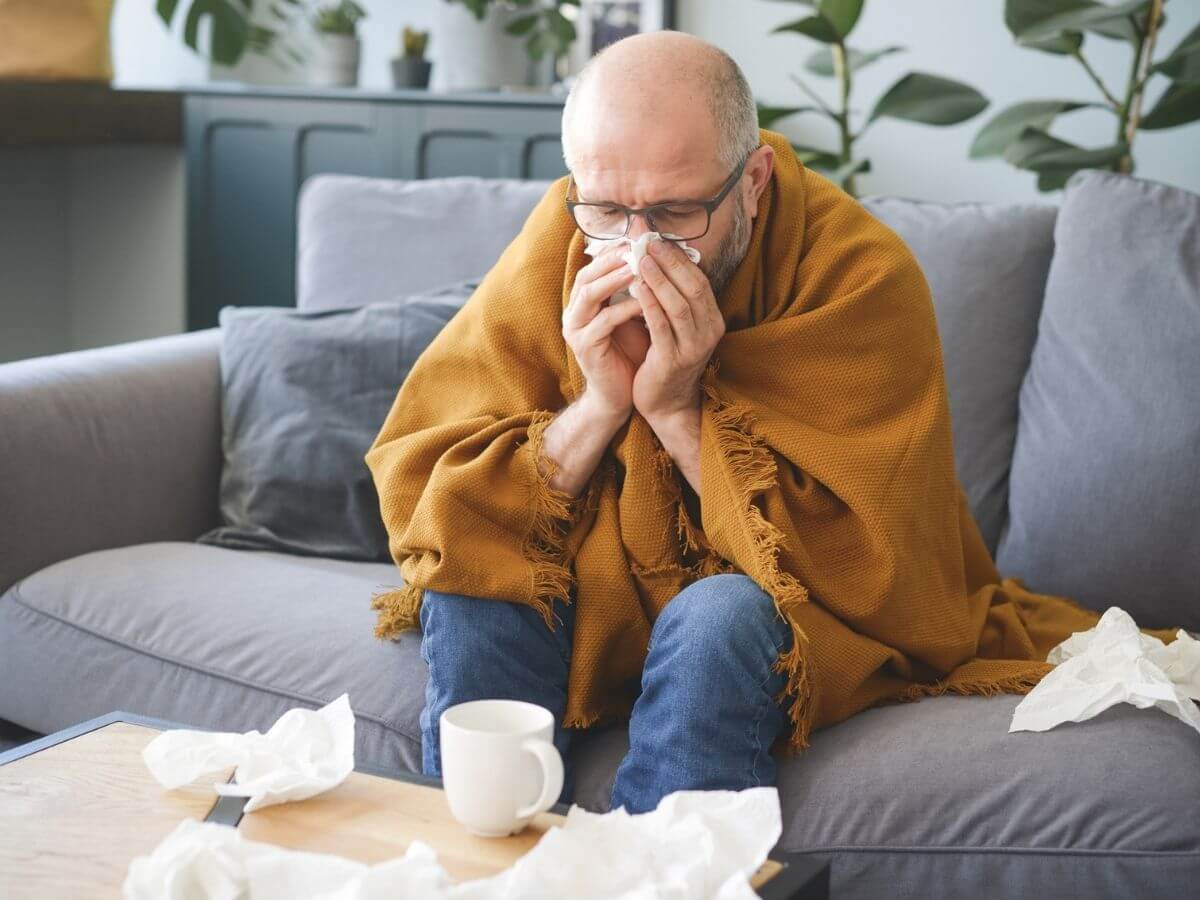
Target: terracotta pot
pixel 55 40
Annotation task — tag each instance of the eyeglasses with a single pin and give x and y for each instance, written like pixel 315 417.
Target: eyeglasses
pixel 679 220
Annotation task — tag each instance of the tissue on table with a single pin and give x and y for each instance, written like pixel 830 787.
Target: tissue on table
pixel 694 845
pixel 633 256
pixel 1112 663
pixel 304 753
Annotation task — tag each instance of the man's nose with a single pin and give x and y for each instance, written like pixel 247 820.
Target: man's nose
pixel 638 226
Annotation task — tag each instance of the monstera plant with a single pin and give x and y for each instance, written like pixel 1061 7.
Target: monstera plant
pixel 236 29
pixel 1020 133
pixel 917 97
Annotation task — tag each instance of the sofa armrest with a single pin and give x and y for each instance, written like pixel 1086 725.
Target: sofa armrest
pixel 108 447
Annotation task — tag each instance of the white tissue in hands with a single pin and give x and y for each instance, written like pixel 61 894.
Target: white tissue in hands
pixel 304 753
pixel 695 845
pixel 1109 664
pixel 638 248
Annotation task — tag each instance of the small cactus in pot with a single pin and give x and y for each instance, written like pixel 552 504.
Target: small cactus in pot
pixel 411 69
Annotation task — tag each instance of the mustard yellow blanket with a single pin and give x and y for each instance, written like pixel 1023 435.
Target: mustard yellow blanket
pixel 827 474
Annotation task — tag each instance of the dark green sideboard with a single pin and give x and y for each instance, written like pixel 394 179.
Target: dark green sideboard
pixel 250 150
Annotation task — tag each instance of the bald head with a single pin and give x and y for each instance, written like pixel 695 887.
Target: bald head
pixel 668 89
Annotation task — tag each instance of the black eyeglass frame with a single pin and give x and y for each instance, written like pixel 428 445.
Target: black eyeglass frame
pixel 710 206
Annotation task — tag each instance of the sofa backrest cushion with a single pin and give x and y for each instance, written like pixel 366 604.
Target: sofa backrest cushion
pixel 986 264
pixel 1105 486
pixel 366 240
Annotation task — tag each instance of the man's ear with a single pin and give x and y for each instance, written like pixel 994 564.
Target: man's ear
pixel 759 167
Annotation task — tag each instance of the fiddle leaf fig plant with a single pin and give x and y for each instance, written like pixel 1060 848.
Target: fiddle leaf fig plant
pixel 917 97
pixel 1020 133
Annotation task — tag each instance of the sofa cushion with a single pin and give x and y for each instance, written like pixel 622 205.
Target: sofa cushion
pixel 936 799
pixel 364 240
pixel 986 265
pixel 303 396
pixel 1106 471
pixel 218 638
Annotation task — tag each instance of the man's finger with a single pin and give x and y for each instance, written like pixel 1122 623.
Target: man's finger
pixel 677 307
pixel 656 319
pixel 606 320
pixel 586 299
pixel 688 278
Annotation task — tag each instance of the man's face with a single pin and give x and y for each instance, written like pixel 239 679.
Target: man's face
pixel 609 177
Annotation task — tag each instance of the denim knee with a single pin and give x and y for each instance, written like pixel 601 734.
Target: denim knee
pixel 719 611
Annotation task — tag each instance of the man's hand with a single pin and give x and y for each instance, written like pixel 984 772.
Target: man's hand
pixel 588 331
pixel 685 326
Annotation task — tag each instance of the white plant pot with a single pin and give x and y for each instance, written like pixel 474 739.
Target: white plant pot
pixel 469 54
pixel 334 60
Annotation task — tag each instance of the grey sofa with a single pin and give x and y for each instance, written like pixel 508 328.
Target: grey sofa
pixel 109 468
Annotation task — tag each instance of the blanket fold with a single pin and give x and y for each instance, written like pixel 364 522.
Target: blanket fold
pixel 827 474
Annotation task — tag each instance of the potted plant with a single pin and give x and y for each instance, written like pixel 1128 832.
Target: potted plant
pixel 487 44
pixel 336 48
pixel 411 68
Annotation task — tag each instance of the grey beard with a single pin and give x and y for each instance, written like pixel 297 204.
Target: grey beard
pixel 732 249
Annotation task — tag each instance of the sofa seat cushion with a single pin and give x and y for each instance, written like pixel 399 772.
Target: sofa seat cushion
pixel 213 637
pixel 939 797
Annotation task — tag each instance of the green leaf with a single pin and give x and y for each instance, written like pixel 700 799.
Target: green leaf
pixel 769 115
pixel 230 29
pixel 1038 151
pixel 1043 20
pixel 816 27
pixel 1006 126
pixel 820 62
pixel 853 167
pixel 166 10
pixel 1065 43
pixel 1183 63
pixel 1178 105
pixel 522 25
pixel 930 99
pixel 842 15
pixel 815 158
pixel 561 27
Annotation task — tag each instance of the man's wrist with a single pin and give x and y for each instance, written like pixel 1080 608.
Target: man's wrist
pixel 603 414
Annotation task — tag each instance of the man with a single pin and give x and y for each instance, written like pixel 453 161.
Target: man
pixel 723 508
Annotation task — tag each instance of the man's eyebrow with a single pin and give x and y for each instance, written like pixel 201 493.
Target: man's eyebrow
pixel 584 199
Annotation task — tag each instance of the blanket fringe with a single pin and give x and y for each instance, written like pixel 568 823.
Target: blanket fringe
pixel 398 610
pixel 554 512
pixel 974 685
pixel 753 469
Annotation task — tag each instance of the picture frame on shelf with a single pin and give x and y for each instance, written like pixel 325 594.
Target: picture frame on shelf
pixel 599 23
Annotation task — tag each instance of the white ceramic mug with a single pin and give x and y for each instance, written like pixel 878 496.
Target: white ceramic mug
pixel 500 767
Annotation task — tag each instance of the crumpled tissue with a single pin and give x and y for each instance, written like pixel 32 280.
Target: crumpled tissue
pixel 638 247
pixel 304 753
pixel 694 845
pixel 1113 663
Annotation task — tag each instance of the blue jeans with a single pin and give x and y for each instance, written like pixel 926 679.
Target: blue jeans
pixel 706 716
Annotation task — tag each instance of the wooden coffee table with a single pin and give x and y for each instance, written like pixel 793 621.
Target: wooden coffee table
pixel 77 805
